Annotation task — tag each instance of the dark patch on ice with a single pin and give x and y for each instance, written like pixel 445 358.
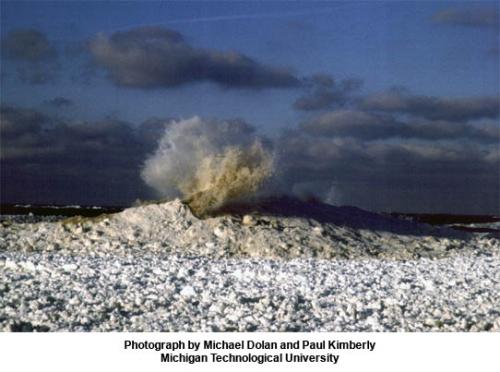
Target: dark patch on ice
pixel 445 219
pixel 348 216
pixel 56 210
pixel 22 326
pixel 483 230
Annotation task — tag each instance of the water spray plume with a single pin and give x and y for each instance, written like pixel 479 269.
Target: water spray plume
pixel 208 163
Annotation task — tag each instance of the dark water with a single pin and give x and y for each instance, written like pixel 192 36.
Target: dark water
pixel 56 210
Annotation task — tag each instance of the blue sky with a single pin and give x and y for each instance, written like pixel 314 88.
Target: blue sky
pixel 429 50
pixel 384 43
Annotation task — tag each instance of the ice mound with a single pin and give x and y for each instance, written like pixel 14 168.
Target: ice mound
pixel 274 228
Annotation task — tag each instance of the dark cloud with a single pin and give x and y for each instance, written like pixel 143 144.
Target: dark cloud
pixel 27 45
pixel 477 17
pixel 325 92
pixel 59 102
pixel 370 126
pixel 156 57
pixel 48 159
pixel 16 122
pixel 320 80
pixel 434 108
pixel 35 59
pixel 319 99
pixel 151 130
pixel 413 176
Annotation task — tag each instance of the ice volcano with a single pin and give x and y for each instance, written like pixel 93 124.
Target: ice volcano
pixel 282 228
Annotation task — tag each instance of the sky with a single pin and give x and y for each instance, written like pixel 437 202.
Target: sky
pixel 386 105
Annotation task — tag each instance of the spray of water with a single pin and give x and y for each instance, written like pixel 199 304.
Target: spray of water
pixel 208 163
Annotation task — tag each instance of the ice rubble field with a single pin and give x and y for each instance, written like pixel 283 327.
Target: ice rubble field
pixel 160 268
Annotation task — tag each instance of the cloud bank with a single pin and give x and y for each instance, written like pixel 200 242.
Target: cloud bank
pixel 453 177
pixel 433 108
pixel 346 157
pixel 395 150
pixel 372 126
pixel 48 159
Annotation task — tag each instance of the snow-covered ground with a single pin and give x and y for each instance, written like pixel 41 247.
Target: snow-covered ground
pixel 312 268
